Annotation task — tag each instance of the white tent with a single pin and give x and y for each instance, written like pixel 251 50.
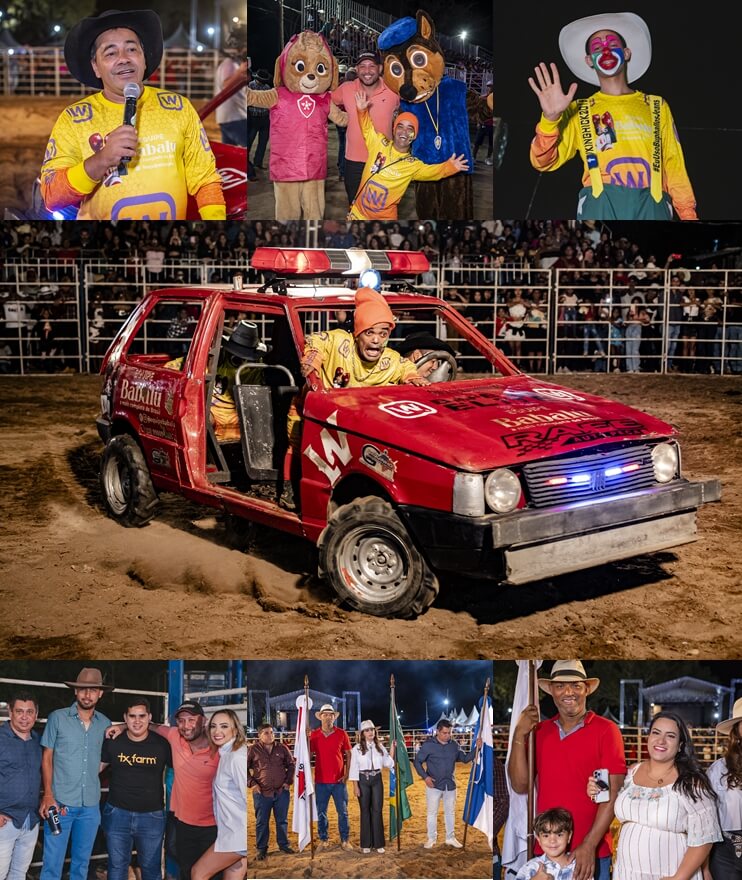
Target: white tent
pixel 471 721
pixel 461 719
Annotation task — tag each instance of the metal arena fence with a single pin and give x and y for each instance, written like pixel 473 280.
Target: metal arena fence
pixel 63 314
pixel 41 71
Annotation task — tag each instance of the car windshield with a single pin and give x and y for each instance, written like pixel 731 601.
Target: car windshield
pixel 470 346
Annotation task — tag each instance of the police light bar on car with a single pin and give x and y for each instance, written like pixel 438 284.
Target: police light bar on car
pixel 334 261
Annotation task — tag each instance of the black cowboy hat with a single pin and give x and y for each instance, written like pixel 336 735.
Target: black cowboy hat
pixel 263 76
pixel 245 342
pixel 422 340
pixel 145 24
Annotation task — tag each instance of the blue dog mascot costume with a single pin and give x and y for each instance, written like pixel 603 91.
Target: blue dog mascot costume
pixel 413 68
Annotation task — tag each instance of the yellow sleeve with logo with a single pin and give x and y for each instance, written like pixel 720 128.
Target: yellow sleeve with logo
pixel 335 356
pixel 174 159
pixel 423 171
pixel 676 181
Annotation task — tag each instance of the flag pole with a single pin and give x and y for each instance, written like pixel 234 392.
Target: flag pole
pixel 533 700
pixel 474 762
pixel 309 758
pixel 397 797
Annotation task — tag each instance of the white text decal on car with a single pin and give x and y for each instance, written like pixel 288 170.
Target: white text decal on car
pixel 407 409
pixel 332 448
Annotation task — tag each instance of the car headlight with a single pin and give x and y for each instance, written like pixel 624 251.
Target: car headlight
pixel 665 462
pixel 502 490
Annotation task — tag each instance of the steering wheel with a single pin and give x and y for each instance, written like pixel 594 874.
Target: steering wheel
pixel 444 372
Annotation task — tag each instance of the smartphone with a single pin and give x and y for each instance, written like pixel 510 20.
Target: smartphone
pixel 603 783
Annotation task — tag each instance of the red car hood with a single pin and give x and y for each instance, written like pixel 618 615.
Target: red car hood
pixel 483 423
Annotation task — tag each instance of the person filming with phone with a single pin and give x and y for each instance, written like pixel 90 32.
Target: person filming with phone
pixel 570 747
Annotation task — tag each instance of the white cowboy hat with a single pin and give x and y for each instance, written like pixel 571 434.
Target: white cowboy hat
pixel 568 670
pixel 631 27
pixel 726 726
pixel 367 725
pixel 326 708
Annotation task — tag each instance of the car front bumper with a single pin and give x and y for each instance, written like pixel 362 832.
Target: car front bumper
pixel 531 544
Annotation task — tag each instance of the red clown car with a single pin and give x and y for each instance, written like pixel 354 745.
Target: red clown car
pixel 502 476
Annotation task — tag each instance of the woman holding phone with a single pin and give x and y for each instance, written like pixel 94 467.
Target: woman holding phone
pixel 667 809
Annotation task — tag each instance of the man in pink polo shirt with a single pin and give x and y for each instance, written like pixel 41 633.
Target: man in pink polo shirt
pixel 570 746
pixel 382 104
pixel 191 799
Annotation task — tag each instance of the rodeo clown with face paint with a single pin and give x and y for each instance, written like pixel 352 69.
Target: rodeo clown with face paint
pixel 633 163
pixel 112 171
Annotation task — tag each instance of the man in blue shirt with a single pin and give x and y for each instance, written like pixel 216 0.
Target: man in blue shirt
pixel 70 762
pixel 439 755
pixel 20 772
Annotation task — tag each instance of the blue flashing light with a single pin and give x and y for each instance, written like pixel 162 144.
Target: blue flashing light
pixel 57 215
pixel 370 278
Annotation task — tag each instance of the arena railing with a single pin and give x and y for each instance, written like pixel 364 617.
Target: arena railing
pixel 41 71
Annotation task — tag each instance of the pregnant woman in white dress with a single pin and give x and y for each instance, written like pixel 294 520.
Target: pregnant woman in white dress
pixel 666 808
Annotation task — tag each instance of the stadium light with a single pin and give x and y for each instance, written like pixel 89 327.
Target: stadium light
pixel 199 48
pixel 463 35
pixel 235 20
pixel 57 28
pixel 210 31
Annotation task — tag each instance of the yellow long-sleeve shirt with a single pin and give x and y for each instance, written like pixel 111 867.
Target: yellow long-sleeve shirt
pixel 174 159
pixel 623 135
pixel 387 174
pixel 334 356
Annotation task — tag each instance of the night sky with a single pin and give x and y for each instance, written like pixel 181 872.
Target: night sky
pixel 416 681
pixel 690 69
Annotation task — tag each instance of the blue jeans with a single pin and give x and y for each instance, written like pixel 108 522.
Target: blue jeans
pixel 144 831
pixel 78 825
pixel 338 791
pixel 16 849
pixel 603 868
pixel 278 804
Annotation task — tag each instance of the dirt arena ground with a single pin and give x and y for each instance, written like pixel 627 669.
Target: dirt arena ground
pixel 23 138
pixel 73 583
pixel 411 860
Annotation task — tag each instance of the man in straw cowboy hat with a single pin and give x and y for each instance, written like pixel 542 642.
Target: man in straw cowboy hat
pixel 143 170
pixel 633 163
pixel 330 746
pixel 72 743
pixel 570 746
pixel 725 776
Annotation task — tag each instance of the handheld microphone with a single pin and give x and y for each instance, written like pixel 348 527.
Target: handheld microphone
pixel 132 91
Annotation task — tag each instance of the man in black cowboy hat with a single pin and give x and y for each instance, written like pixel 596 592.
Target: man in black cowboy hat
pixel 258 121
pixel 72 743
pixel 145 170
pixel 417 345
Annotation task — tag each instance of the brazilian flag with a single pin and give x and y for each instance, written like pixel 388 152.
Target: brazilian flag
pixel 401 774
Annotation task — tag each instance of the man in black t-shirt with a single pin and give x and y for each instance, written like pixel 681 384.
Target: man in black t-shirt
pixel 134 813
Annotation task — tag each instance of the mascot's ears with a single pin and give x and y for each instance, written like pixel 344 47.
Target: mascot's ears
pixel 277 78
pixel 335 74
pixel 425 25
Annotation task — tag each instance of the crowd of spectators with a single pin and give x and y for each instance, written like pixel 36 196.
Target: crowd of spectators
pixel 555 296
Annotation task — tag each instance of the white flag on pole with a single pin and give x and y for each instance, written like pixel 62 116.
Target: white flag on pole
pixel 304 806
pixel 515 843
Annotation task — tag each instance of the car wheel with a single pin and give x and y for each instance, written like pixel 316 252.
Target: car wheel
pixel 128 493
pixel 367 555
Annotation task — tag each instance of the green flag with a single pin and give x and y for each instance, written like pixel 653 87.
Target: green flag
pixel 401 773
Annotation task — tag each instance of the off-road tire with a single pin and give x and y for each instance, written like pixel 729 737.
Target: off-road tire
pixel 368 557
pixel 128 494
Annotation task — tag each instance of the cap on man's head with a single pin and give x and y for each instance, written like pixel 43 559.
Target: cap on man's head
pixel 371 309
pixel 189 706
pixel 368 56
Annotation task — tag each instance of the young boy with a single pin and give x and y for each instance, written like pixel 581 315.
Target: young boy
pixel 390 167
pixel 553 829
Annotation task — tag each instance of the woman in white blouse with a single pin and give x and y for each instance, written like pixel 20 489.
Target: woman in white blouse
pixel 666 808
pixel 725 776
pixel 228 853
pixel 367 758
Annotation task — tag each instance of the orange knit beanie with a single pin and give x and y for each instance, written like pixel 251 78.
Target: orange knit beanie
pixel 371 308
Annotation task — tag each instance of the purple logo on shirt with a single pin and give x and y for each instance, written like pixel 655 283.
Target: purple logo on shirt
pixel 151 206
pixel 170 101
pixel 80 112
pixel 636 174
pixel 374 196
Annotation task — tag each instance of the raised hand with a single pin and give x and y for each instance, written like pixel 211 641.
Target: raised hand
pixel 362 102
pixel 548 89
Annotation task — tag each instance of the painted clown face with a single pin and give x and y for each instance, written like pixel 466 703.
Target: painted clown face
pixel 606 52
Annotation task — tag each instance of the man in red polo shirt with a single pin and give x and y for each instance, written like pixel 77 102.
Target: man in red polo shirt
pixel 382 104
pixel 570 746
pixel 331 749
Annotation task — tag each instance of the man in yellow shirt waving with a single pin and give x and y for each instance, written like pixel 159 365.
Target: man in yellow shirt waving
pixel 112 171
pixel 391 167
pixel 633 165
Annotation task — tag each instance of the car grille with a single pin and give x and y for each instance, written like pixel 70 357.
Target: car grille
pixel 558 481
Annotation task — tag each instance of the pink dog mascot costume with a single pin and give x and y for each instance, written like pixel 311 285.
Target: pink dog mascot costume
pixel 300 105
